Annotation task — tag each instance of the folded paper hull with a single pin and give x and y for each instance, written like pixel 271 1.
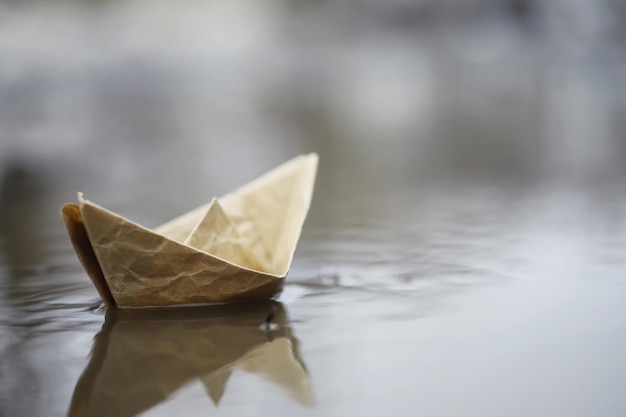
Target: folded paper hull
pixel 132 266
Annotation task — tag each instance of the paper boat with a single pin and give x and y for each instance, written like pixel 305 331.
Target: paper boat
pixel 141 360
pixel 236 248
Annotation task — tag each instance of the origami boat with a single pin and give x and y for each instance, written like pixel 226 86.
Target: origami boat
pixel 235 248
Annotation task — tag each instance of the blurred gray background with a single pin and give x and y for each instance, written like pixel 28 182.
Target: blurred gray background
pixel 495 89
pixel 471 188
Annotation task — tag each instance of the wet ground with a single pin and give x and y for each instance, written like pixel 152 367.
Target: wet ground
pixel 464 253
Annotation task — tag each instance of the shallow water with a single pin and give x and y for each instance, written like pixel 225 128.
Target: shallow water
pixel 464 253
pixel 479 301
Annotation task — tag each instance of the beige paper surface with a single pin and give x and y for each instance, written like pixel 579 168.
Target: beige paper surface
pixel 238 247
pixel 140 360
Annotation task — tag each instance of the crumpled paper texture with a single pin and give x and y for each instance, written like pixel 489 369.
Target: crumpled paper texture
pixel 238 247
pixel 140 360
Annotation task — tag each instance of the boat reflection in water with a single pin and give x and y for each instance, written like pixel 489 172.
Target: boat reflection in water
pixel 141 357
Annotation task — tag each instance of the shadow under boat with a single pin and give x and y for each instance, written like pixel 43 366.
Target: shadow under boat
pixel 141 357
